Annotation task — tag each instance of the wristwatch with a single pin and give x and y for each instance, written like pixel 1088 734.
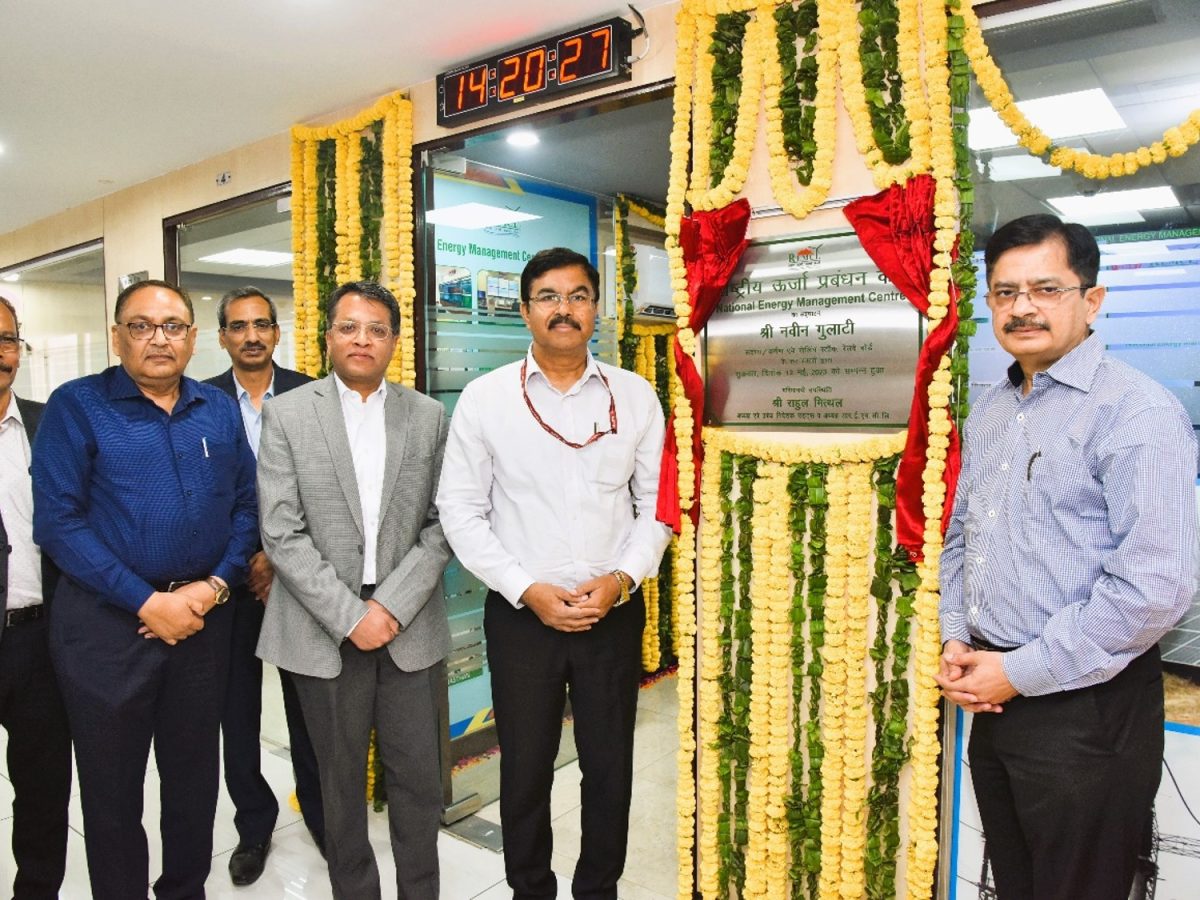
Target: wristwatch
pixel 625 581
pixel 220 588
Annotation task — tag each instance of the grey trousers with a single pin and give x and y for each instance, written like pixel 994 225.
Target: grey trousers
pixel 371 692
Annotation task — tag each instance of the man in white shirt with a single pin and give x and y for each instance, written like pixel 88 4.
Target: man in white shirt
pixel 347 469
pixel 549 495
pixel 31 707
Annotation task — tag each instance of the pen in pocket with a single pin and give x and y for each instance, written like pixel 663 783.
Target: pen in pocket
pixel 204 444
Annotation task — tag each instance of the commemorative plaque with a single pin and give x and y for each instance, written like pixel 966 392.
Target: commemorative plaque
pixel 809 333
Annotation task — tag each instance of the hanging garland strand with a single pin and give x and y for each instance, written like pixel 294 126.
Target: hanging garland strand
pixel 1175 141
pixel 878 51
pixel 798 83
pixel 818 581
pixel 326 237
pixel 727 56
pixel 889 699
pixel 963 269
pixel 370 202
pixel 796 803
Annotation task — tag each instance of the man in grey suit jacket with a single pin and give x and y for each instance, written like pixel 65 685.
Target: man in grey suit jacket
pixel 347 471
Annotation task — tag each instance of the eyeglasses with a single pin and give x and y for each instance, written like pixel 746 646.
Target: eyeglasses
pixel 9 343
pixel 1045 297
pixel 551 301
pixel 240 327
pixel 349 330
pixel 144 331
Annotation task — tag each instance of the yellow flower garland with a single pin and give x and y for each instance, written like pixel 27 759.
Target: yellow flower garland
pixel 1175 141
pixel 855 98
pixel 796 201
pixel 396 227
pixel 710 701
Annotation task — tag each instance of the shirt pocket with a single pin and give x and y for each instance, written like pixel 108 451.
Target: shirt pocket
pixel 614 465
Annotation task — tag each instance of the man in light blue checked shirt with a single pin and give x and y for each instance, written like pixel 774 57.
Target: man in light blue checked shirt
pixel 1070 552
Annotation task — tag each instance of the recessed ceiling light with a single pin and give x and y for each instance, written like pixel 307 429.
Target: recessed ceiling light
pixel 1 149
pixel 261 259
pixel 1114 207
pixel 1018 168
pixel 206 297
pixel 11 277
pixel 476 215
pixel 523 138
pixel 1060 116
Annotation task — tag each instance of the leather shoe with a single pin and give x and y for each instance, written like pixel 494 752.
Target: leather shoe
pixel 248 862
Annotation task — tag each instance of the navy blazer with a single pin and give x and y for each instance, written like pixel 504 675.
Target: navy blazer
pixel 285 380
pixel 31 415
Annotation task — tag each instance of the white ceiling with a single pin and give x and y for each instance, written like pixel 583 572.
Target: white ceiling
pixel 95 97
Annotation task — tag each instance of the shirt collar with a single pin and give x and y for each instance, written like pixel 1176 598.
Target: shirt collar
pixel 591 370
pixel 14 412
pixel 122 387
pixel 241 392
pixel 1077 369
pixel 344 391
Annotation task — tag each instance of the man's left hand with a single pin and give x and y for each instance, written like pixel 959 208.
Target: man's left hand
pixel 599 594
pixel 983 682
pixel 259 576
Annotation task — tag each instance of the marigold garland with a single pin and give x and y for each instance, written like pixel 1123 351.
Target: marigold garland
pixel 1175 141
pixel 329 250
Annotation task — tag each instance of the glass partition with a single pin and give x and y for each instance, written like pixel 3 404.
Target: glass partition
pixel 60 303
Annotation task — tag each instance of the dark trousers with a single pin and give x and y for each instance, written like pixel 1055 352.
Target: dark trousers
pixel 39 760
pixel 533 668
pixel 122 693
pixel 372 692
pixel 1065 785
pixel 256 809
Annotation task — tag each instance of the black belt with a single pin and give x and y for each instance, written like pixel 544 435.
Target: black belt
pixel 24 614
pixel 980 644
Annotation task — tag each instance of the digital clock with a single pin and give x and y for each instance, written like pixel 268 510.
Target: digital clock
pixel 573 61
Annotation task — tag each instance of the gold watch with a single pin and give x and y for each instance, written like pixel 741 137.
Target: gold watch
pixel 220 588
pixel 623 580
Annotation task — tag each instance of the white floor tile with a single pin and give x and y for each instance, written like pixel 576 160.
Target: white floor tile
pixel 295 870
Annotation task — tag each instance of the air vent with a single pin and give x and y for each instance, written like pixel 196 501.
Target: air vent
pixel 1038 25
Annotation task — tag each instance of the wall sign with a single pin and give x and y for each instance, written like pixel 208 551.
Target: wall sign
pixel 572 61
pixel 810 333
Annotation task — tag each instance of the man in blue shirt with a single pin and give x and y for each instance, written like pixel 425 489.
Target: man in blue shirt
pixel 144 496
pixel 1071 550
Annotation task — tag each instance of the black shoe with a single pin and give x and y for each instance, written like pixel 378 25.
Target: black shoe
pixel 319 840
pixel 247 862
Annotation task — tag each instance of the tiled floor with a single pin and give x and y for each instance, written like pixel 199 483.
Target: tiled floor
pixel 295 870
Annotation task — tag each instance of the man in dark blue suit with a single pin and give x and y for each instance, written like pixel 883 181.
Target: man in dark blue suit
pixel 249 333
pixel 31 708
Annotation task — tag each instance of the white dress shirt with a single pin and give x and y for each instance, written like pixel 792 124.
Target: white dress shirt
pixel 251 417
pixel 16 502
pixel 519 506
pixel 368 447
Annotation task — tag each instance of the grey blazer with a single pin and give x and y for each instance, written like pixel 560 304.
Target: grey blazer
pixel 312 530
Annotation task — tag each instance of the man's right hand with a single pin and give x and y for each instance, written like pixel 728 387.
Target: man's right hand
pixel 556 607
pixel 376 628
pixel 171 617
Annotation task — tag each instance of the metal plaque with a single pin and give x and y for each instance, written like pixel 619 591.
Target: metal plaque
pixel 810 333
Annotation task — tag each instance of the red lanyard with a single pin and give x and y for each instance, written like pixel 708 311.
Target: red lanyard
pixel 612 412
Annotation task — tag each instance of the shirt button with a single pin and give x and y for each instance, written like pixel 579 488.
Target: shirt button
pixel 189 493
pixel 1003 467
pixel 991 514
pixel 179 455
pixel 974 610
pixel 1020 417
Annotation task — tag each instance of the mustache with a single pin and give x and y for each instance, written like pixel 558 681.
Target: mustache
pixel 558 319
pixel 1023 322
pixel 255 346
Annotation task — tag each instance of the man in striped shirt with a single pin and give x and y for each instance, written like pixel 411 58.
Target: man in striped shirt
pixel 1070 552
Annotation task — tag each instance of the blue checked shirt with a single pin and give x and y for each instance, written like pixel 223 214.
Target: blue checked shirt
pixel 1073 536
pixel 126 497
